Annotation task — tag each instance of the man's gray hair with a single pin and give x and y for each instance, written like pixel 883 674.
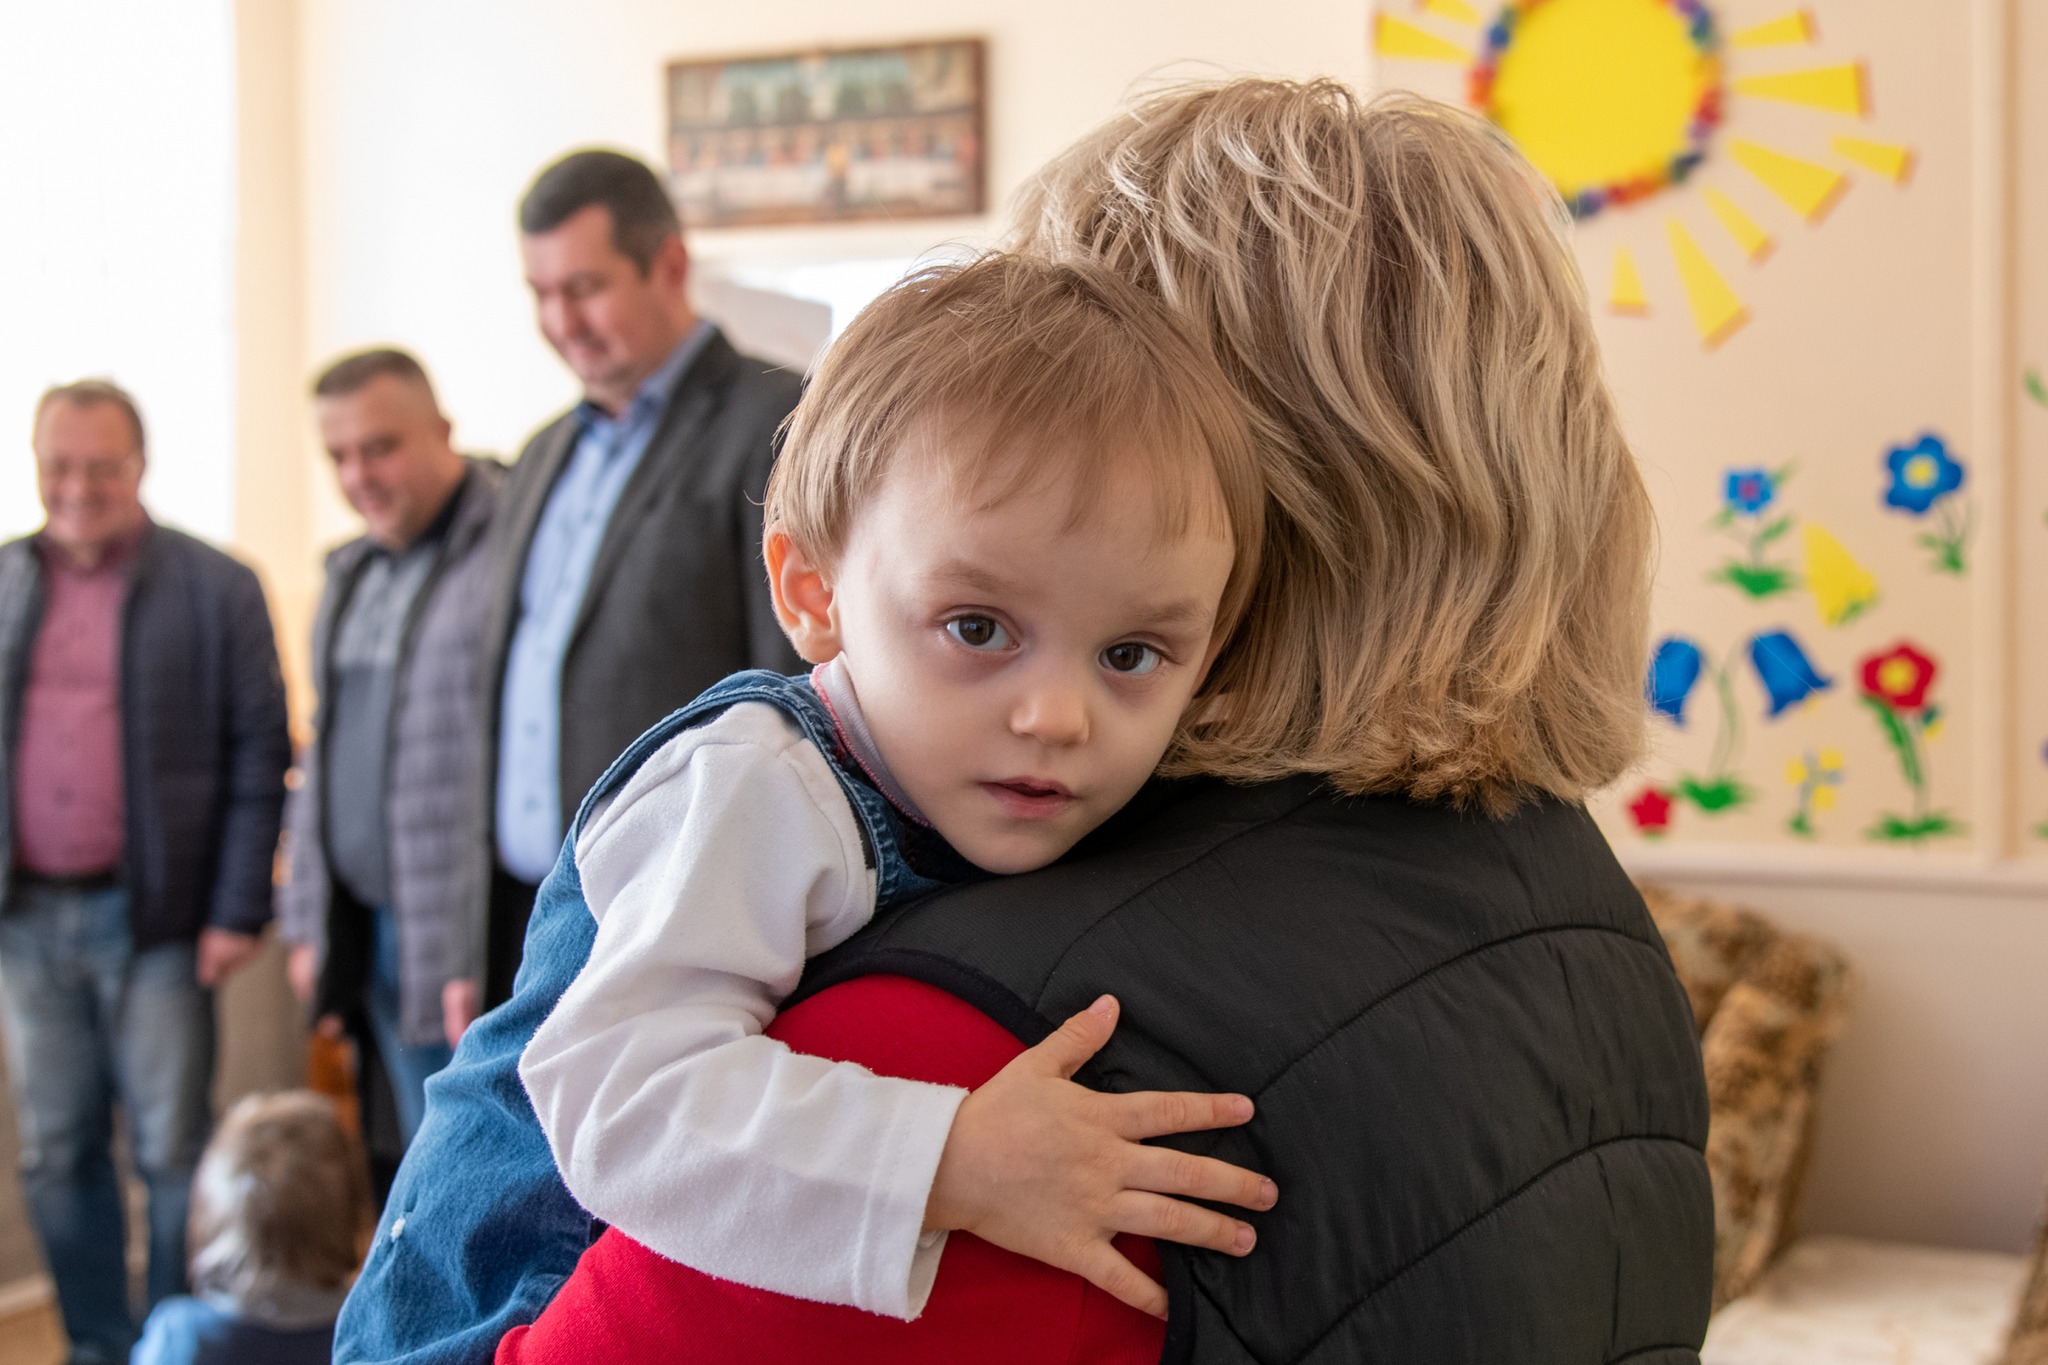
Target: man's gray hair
pixel 93 393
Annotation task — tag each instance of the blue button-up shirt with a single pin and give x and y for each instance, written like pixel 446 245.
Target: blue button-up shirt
pixel 558 564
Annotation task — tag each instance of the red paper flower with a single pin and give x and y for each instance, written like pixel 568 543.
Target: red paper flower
pixel 1651 811
pixel 1899 677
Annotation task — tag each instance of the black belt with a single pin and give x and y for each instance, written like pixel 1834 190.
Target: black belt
pixel 105 880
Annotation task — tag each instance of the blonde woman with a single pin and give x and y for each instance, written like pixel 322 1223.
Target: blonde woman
pixel 1371 901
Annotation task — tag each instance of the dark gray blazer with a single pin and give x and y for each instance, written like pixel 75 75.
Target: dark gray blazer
pixel 678 597
pixel 436 751
pixel 204 745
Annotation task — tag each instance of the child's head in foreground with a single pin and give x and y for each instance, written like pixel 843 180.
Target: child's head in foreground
pixel 1019 501
pixel 279 1202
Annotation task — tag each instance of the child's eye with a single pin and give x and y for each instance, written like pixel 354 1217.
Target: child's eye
pixel 1131 659
pixel 978 632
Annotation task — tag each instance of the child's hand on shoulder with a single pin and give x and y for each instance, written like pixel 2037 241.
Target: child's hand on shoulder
pixel 1053 1170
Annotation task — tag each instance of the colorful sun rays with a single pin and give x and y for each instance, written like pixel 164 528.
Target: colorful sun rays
pixel 1619 101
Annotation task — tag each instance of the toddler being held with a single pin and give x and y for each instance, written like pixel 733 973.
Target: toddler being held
pixel 1016 516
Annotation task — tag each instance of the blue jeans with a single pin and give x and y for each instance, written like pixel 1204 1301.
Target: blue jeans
pixel 90 1021
pixel 407 1066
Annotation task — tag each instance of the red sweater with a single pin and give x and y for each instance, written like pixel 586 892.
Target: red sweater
pixel 624 1303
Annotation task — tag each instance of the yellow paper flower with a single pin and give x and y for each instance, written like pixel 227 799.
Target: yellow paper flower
pixel 1842 589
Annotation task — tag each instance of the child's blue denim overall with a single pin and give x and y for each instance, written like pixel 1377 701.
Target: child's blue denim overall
pixel 479 1231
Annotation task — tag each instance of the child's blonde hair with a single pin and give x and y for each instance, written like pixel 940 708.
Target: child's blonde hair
pixel 1455 599
pixel 281 1197
pixel 1008 372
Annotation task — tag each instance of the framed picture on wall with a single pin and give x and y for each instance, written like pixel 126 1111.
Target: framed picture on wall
pixel 828 136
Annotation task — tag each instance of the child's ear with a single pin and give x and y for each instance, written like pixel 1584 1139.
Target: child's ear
pixel 803 597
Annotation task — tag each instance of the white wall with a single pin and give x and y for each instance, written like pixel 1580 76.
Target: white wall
pixel 1933 1124
pixel 423 119
pixel 117 133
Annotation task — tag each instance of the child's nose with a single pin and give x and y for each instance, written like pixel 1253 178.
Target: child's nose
pixel 1052 715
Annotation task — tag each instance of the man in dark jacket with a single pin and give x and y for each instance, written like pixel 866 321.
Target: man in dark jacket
pixel 381 939
pixel 629 532
pixel 142 766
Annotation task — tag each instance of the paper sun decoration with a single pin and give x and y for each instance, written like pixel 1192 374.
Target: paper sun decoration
pixel 1618 102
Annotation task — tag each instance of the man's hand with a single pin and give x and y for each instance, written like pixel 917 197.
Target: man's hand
pixel 461 1002
pixel 302 969
pixel 1053 1170
pixel 222 953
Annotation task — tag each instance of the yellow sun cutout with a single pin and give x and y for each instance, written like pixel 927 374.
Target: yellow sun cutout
pixel 1619 101
pixel 1612 99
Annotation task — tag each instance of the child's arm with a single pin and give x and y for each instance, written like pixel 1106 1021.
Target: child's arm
pixel 1053 1170
pixel 721 865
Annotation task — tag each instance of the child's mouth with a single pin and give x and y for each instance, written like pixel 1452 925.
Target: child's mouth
pixel 1029 798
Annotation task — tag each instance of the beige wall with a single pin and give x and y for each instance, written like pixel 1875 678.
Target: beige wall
pixel 417 126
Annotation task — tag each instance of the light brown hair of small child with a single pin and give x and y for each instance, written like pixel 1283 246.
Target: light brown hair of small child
pixel 281 1197
pixel 1007 372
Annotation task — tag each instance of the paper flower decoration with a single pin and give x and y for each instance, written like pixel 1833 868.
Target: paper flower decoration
pixel 1750 491
pixel 1817 776
pixel 1924 477
pixel 1842 589
pixel 1674 669
pixel 1746 495
pixel 1651 810
pixel 1900 677
pixel 1923 473
pixel 1896 687
pixel 1787 675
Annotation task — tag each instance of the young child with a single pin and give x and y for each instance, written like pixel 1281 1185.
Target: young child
pixel 280 1203
pixel 1015 517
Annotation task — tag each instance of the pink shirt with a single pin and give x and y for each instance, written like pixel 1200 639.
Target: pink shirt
pixel 69 816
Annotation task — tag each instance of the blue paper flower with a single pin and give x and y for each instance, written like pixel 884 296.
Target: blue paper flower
pixel 1674 668
pixel 1750 491
pixel 1923 473
pixel 1784 670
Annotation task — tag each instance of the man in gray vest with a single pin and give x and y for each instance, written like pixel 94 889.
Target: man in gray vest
pixel 382 942
pixel 630 531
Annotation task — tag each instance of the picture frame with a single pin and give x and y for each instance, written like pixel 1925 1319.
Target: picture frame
pixel 829 135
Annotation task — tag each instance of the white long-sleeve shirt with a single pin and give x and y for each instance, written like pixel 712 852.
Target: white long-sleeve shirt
pixel 725 862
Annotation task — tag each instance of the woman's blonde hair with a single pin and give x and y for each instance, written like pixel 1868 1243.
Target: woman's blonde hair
pixel 281 1198
pixel 1454 602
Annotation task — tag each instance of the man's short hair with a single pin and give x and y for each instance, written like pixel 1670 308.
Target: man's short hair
pixel 352 372
pixel 93 393
pixel 643 216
